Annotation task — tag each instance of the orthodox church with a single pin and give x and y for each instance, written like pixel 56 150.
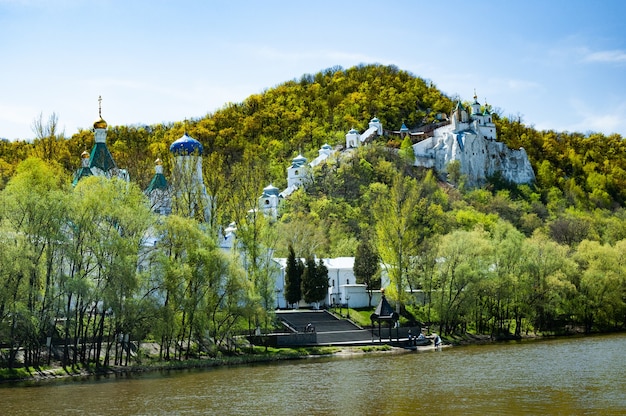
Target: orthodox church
pixel 470 138
pixel 99 162
pixel 190 196
pixel 299 173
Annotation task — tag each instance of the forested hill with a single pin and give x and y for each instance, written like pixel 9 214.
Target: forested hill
pixel 298 116
pixel 537 257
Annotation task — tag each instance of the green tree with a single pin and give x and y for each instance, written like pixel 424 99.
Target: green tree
pixel 601 287
pixel 314 281
pixel 397 233
pixel 121 218
pixel 293 278
pixel 367 267
pixel 33 210
pixel 406 150
pixel 465 262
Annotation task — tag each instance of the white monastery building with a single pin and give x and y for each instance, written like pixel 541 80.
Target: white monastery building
pixel 470 138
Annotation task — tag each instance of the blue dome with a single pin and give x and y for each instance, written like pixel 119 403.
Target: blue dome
pixel 186 145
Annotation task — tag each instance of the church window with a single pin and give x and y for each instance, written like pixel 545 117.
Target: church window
pixel 296 172
pixel 267 202
pixel 347 281
pixel 333 283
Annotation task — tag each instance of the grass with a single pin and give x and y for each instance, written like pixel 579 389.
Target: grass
pixel 15 373
pixel 374 348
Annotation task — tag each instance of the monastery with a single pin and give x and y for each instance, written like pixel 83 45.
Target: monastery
pixel 469 138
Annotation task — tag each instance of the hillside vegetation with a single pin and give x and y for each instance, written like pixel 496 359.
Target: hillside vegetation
pixel 504 258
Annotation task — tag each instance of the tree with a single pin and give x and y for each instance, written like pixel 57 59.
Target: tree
pixel 314 281
pixel 119 219
pixel 34 212
pixel 367 267
pixel 293 278
pixel 50 144
pixel 465 262
pixel 397 233
pixel 601 286
pixel 406 150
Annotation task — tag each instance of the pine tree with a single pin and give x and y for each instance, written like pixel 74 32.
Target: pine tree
pixel 293 278
pixel 314 281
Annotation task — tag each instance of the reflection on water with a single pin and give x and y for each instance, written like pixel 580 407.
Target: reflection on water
pixel 569 376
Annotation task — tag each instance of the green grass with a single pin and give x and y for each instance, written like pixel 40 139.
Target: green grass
pixel 374 348
pixel 14 373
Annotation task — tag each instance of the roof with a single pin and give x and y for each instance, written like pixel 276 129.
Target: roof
pixel 186 145
pixel 367 134
pixel 384 311
pixel 158 182
pixel 270 190
pixel 101 158
pixel 299 160
pixel 80 174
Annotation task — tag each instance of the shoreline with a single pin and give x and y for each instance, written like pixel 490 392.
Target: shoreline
pixel 59 373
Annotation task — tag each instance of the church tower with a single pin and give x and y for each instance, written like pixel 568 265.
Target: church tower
pixel 298 172
pixel 99 162
pixel 269 201
pixel 158 191
pixel 352 139
pixel 190 195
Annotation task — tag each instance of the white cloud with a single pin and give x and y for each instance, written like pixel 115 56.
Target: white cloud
pixel 606 121
pixel 615 56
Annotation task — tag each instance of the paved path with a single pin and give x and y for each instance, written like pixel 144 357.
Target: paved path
pixel 331 330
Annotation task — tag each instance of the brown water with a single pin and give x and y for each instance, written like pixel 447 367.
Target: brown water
pixel 564 377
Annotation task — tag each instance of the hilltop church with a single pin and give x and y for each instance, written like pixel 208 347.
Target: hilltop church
pixel 468 137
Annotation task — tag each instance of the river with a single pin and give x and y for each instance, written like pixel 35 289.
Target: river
pixel 570 376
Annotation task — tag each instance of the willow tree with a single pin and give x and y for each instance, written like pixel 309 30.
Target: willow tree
pixel 33 211
pixel 465 262
pixel 397 232
pixel 601 287
pixel 120 217
pixel 256 236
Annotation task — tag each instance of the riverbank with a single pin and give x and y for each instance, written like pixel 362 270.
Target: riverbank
pixel 258 355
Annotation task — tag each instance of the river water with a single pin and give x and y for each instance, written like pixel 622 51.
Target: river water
pixel 570 376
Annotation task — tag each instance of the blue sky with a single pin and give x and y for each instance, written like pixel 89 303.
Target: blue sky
pixel 558 64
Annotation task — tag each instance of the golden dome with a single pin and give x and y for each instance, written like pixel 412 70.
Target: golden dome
pixel 84 155
pixel 158 162
pixel 100 124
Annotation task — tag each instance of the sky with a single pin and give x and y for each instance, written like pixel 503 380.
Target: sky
pixel 559 65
